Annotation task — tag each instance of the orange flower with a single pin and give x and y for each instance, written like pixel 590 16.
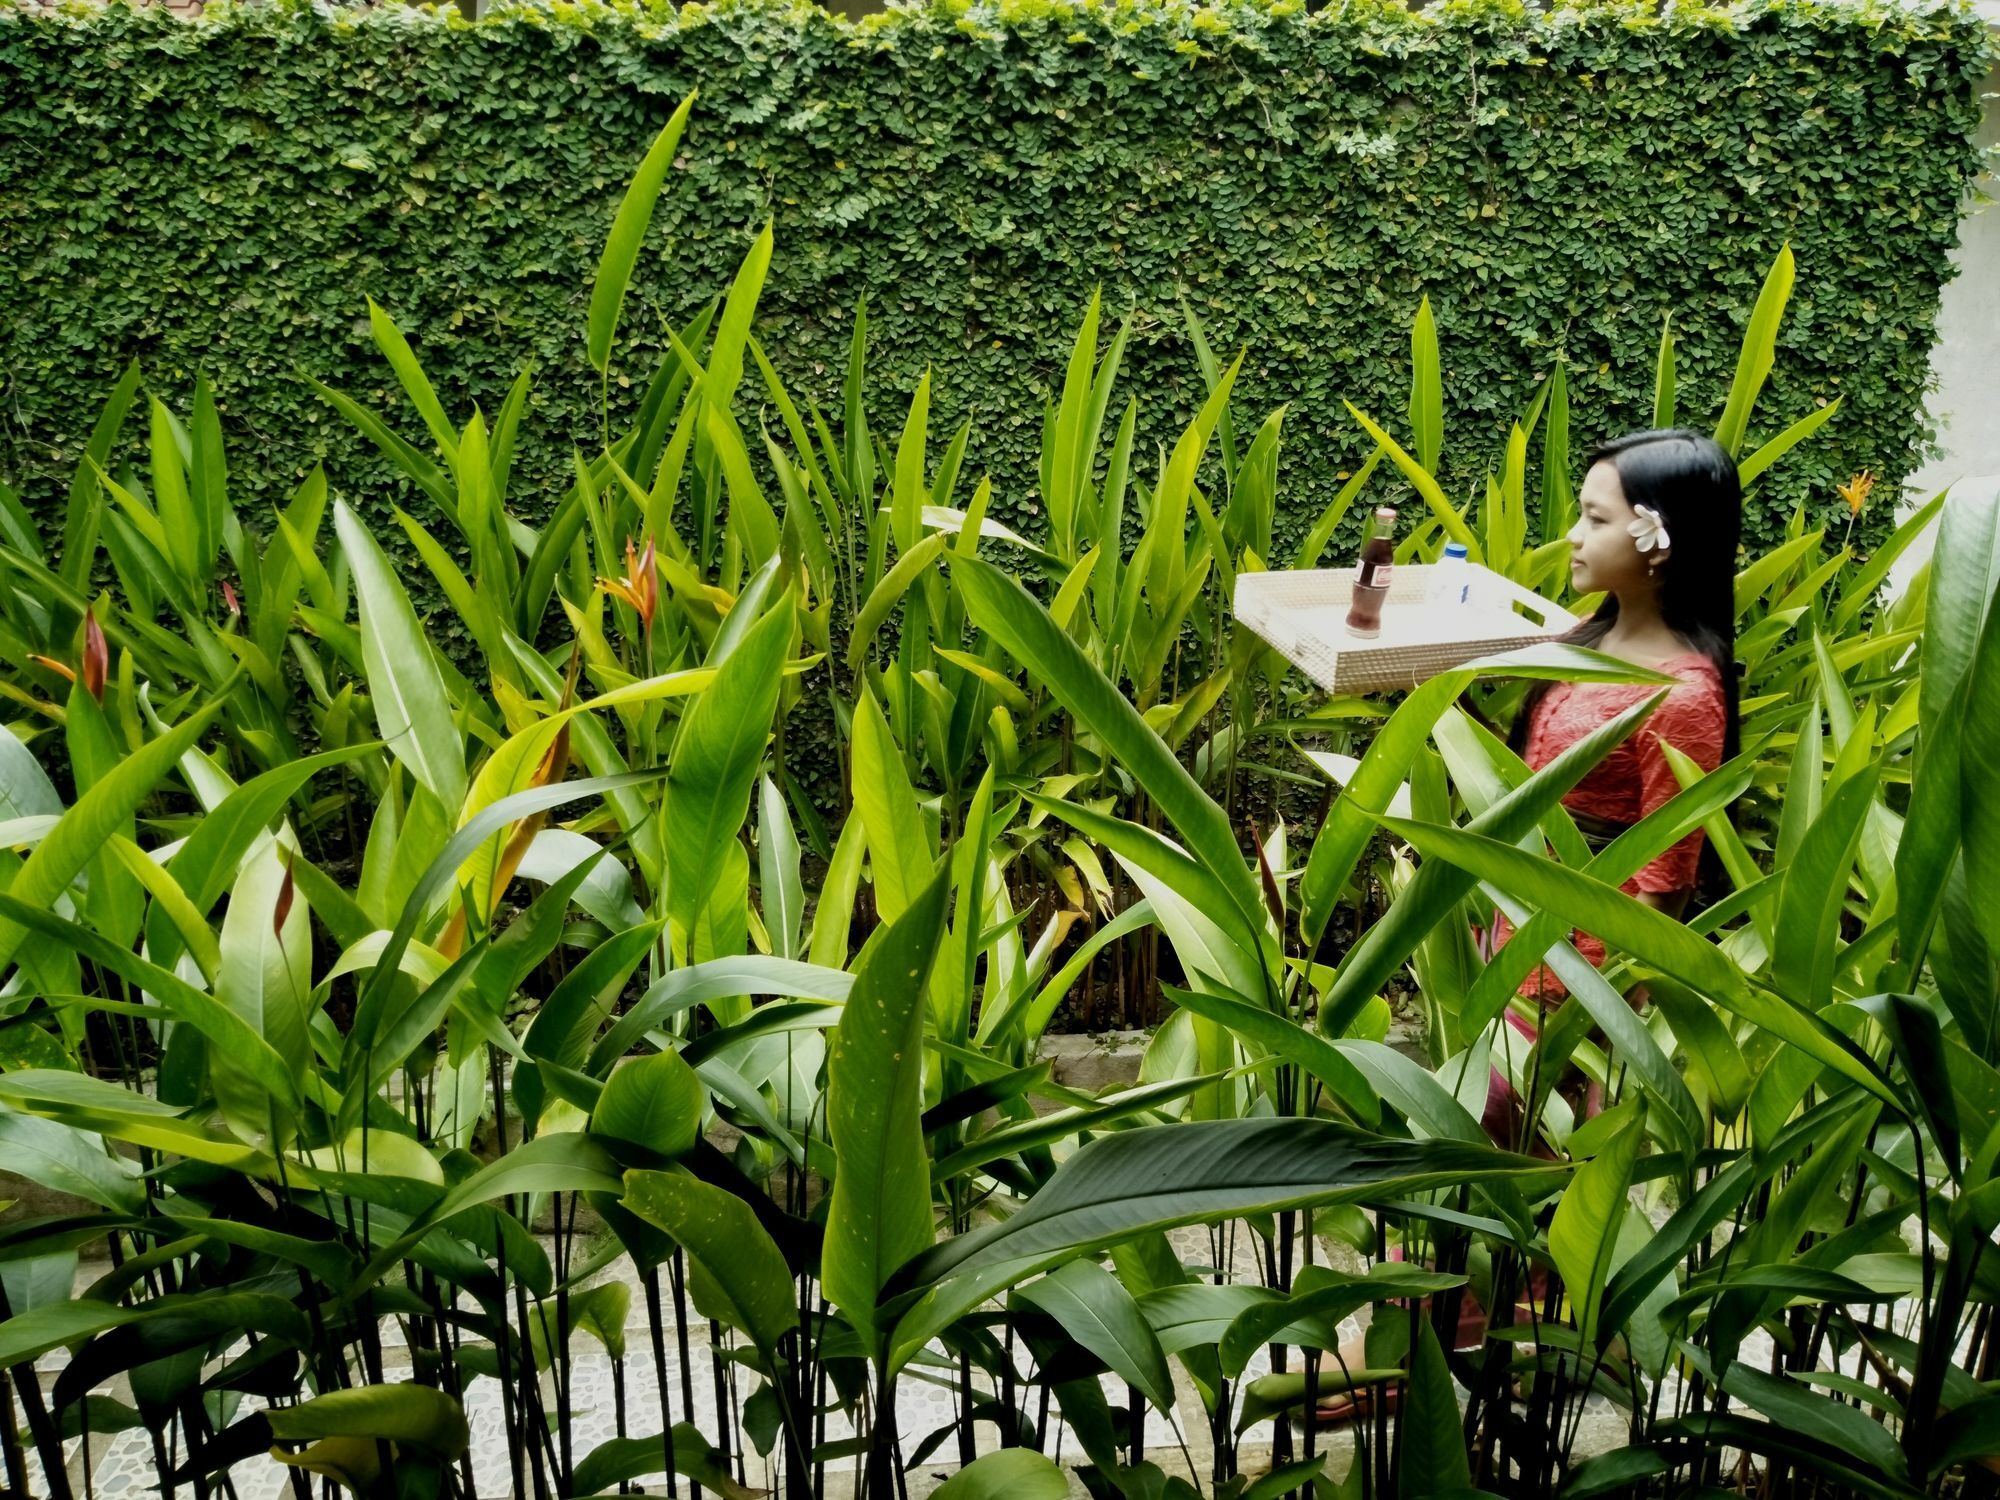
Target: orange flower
pixel 96 658
pixel 640 587
pixel 1855 491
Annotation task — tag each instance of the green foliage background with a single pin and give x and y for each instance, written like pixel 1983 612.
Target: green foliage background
pixel 224 194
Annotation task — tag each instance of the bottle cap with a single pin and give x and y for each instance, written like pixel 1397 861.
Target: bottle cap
pixel 1455 551
pixel 1385 512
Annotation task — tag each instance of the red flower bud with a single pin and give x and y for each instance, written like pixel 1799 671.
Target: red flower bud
pixel 96 656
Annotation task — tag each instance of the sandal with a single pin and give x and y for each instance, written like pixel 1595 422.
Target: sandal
pixel 1356 1404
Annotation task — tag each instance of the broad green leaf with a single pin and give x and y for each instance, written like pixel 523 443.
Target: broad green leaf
pixel 685 1451
pixel 266 979
pixel 1435 892
pixel 98 813
pixel 189 544
pixel 655 1102
pixel 1979 755
pixel 1663 376
pixel 171 905
pixel 566 1162
pixel 30 1335
pixel 898 853
pixel 419 1415
pixel 1813 897
pixel 1008 613
pixel 567 1020
pixel 721 1232
pixel 1634 1281
pixel 1303 1476
pixel 1711 1052
pixel 84 510
pixel 1190 1314
pixel 1426 388
pixel 732 329
pixel 1617 1472
pixel 1758 354
pixel 1280 1035
pixel 719 978
pixel 1584 1235
pixel 1191 904
pixel 628 234
pixel 1096 1310
pixel 778 872
pixel 1006 1474
pixel 25 790
pixel 1120 1186
pixel 1386 764
pixel 1785 441
pixel 911 566
pixel 1433 1439
pixel 880 1213
pixel 1044 1130
pixel 1648 935
pixel 1419 476
pixel 68 1160
pixel 403 360
pixel 715 764
pixel 121 1114
pixel 404 684
pixel 1321 1299
pixel 1808 1414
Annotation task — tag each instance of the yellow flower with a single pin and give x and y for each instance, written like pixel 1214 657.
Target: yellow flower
pixel 1855 491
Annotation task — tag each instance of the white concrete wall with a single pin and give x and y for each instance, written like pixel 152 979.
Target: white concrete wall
pixel 1966 357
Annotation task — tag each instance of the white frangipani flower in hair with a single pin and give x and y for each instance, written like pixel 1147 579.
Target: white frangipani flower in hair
pixel 1649 531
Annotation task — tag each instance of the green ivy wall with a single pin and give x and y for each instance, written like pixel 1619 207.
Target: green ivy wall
pixel 224 194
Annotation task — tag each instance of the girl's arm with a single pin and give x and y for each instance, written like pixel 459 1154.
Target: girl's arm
pixel 1673 903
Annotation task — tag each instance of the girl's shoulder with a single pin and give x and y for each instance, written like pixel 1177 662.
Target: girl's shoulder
pixel 1696 706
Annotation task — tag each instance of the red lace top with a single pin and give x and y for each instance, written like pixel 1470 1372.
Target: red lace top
pixel 1633 779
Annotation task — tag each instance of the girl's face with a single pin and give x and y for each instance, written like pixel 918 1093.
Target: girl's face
pixel 1603 555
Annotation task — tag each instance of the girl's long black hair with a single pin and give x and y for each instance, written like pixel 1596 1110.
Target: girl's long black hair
pixel 1691 482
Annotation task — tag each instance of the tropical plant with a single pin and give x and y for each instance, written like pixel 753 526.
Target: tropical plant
pixel 398 1000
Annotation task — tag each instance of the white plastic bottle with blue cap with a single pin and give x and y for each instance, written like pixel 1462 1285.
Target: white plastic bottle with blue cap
pixel 1451 579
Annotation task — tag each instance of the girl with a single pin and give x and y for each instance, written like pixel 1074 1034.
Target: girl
pixel 1658 522
pixel 1657 527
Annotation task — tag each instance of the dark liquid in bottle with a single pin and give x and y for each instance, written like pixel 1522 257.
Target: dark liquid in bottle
pixel 1371 587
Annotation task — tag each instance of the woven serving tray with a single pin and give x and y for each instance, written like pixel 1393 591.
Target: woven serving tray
pixel 1303 615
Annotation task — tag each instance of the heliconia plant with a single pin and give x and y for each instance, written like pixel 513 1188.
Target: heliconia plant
pixel 434 971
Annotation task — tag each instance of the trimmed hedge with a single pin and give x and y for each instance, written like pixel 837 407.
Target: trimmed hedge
pixel 223 194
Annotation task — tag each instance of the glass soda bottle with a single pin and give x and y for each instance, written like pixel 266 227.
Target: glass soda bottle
pixel 1371 577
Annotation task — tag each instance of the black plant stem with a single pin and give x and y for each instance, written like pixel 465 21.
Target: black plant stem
pixel 880 1480
pixel 819 1407
pixel 565 1367
pixel 728 1367
pixel 534 1432
pixel 965 1444
pixel 48 1443
pixel 514 1422
pixel 656 1326
pixel 1010 1431
pixel 678 1276
pixel 10 1442
pixel 720 1379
